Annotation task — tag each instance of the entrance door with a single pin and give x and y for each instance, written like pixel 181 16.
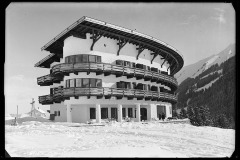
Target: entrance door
pixel 114 113
pixel 160 110
pixel 143 112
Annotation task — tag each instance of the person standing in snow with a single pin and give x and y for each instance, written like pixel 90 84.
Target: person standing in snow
pixel 163 116
pixel 160 116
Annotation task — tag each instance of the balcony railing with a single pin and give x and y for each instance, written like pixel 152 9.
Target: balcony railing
pixel 48 80
pixel 60 94
pixel 107 69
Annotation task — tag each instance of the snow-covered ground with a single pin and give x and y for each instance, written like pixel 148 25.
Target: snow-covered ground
pixel 154 139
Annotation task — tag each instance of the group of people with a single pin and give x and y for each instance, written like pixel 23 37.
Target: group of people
pixel 162 116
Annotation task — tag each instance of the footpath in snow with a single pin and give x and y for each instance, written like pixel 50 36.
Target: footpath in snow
pixel 128 139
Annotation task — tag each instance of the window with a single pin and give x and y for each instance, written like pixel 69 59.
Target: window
pixel 119 62
pixel 51 90
pixel 66 59
pixel 99 59
pixel 71 59
pixel 134 85
pixel 126 63
pixel 154 88
pixel 139 66
pixel 133 65
pixel 58 113
pixel 149 87
pixel 84 58
pixel 72 83
pixel 154 69
pixel 78 82
pixel 104 113
pixel 170 109
pixel 99 83
pixel 92 113
pixel 148 68
pixel 92 82
pixel 145 87
pixel 92 58
pixel 55 113
pixel 78 58
pixel 67 83
pixel 144 67
pixel 130 114
pixel 124 112
pixel 127 85
pixel 85 82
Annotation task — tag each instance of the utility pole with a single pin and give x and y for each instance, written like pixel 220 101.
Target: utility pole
pixel 33 108
pixel 17 111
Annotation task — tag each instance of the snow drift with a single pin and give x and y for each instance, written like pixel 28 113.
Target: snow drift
pixel 152 139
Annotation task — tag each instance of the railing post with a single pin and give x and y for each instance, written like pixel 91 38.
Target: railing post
pixel 89 91
pixel 88 67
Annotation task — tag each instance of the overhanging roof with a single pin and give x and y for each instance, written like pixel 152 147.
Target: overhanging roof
pixel 46 61
pixel 87 25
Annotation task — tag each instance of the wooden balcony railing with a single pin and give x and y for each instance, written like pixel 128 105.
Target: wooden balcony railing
pixel 107 69
pixel 60 94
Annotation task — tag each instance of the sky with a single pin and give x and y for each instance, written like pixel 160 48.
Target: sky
pixel 197 30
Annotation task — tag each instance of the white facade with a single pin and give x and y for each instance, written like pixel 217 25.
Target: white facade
pixel 78 110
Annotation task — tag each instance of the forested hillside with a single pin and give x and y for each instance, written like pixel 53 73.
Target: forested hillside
pixel 210 96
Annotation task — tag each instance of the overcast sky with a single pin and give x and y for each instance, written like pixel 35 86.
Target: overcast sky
pixel 197 30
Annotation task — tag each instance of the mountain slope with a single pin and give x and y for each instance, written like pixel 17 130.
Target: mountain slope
pixel 195 69
pixel 212 86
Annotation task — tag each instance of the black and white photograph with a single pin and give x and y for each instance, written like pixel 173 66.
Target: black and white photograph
pixel 125 79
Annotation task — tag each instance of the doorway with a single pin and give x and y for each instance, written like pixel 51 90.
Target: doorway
pixel 160 110
pixel 143 112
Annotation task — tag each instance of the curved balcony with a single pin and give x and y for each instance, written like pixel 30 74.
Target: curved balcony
pixel 60 94
pixel 49 80
pixel 107 69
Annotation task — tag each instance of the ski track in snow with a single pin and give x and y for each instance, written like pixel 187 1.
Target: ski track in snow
pixel 48 139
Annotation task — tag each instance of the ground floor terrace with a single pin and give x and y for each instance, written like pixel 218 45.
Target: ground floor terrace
pixel 97 113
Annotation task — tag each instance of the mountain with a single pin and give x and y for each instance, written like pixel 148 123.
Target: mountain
pixel 195 69
pixel 208 89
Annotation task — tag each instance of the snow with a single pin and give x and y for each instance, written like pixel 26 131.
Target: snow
pixel 8 117
pixel 210 61
pixel 219 72
pixel 127 139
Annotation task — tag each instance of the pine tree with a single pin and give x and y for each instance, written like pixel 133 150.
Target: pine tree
pixel 183 113
pixel 223 121
pixel 175 113
pixel 191 115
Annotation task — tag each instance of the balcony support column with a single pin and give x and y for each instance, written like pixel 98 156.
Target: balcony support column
pixel 170 64
pixel 119 113
pixel 98 113
pixel 109 112
pixel 149 112
pixel 121 44
pixel 164 60
pixel 95 37
pixel 138 116
pixel 140 49
pixel 172 71
pixel 69 113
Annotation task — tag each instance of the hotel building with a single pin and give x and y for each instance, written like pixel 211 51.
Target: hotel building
pixel 99 71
